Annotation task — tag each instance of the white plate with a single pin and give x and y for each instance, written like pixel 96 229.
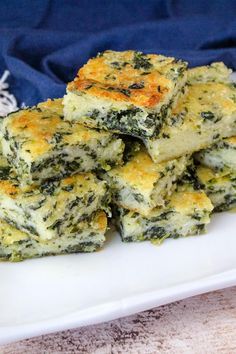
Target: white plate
pixel 56 293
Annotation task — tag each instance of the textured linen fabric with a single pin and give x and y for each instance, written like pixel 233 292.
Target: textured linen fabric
pixel 44 42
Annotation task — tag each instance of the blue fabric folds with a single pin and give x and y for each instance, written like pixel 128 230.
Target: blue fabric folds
pixel 44 42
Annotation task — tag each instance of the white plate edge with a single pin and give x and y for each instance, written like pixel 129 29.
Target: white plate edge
pixel 120 308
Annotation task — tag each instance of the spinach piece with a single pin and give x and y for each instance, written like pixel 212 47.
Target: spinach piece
pixel 137 86
pixel 216 136
pixel 116 65
pixel 49 187
pixel 200 228
pixel 125 92
pixel 141 61
pixel 165 136
pixel 56 225
pixel 207 115
pixel 57 137
pixel 39 204
pixel 138 197
pixel 163 216
pixel 6 135
pixel 68 188
pixel 155 232
pixel 127 121
pixel 127 239
pixel 190 177
pixel 4 172
pixel 91 198
pixel 131 148
pixel 177 73
pixel 75 202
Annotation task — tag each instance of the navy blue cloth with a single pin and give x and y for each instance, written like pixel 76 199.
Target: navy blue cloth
pixel 44 42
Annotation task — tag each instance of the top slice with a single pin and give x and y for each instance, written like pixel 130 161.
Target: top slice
pixel 127 92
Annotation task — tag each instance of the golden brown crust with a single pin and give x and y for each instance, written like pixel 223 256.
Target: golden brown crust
pixel 201 97
pixel 231 140
pixel 37 130
pixel 8 188
pixel 206 174
pixel 37 127
pixel 33 125
pixel 114 76
pixel 189 200
pixel 140 171
pixel 216 72
pixel 101 221
pixel 82 179
pixel 55 106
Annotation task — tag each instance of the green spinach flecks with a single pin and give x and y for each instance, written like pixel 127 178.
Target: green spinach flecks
pixel 141 61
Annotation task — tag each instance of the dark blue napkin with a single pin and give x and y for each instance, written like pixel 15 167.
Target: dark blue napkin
pixel 43 42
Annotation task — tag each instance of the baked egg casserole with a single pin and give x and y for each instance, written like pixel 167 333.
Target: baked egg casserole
pixel 40 145
pixel 126 92
pixel 186 213
pixel 54 208
pixel 141 184
pixel 16 245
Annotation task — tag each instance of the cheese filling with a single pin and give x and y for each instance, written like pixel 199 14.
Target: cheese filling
pixel 133 96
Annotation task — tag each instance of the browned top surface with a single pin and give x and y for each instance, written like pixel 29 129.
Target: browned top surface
pixel 136 78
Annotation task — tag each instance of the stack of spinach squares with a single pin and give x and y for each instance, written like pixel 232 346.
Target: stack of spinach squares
pixel 120 144
pixel 164 112
pixel 51 201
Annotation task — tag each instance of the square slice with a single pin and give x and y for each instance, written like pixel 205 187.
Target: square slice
pixel 204 115
pixel 186 213
pixel 140 184
pixel 55 208
pixel 127 92
pixel 16 245
pixel 219 186
pixel 216 72
pixel 220 156
pixel 41 145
